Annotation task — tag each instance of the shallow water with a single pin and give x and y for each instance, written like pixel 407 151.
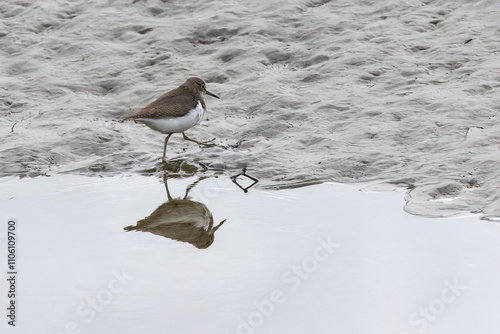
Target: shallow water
pixel 311 91
pixel 318 259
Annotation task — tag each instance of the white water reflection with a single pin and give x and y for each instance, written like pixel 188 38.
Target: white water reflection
pixel 320 259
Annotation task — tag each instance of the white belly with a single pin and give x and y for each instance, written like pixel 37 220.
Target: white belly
pixel 175 124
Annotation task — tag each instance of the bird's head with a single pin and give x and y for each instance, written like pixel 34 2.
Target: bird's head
pixel 199 85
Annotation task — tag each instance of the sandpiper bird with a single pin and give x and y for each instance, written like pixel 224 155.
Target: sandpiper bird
pixel 176 111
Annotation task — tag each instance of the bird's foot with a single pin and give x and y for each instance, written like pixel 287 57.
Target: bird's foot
pixel 206 143
pixel 200 144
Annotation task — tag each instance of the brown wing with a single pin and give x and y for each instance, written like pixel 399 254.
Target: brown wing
pixel 175 103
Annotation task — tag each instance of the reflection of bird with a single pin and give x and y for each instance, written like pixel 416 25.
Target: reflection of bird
pixel 181 219
pixel 176 111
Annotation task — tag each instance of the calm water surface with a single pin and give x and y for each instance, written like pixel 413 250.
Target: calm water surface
pixel 118 255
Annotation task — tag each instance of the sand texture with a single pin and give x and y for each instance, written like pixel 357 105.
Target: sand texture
pixel 405 92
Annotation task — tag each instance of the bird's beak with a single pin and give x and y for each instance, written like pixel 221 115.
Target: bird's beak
pixel 217 227
pixel 212 94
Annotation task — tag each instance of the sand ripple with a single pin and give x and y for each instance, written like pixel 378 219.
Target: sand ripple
pixel 401 91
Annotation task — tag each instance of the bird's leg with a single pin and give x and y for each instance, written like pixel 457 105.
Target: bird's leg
pixel 165 178
pixel 165 147
pixel 207 143
pixel 192 185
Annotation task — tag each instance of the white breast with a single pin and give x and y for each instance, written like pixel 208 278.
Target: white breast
pixel 175 124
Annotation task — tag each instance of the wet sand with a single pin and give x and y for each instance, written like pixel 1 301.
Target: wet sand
pixel 319 259
pixel 405 92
